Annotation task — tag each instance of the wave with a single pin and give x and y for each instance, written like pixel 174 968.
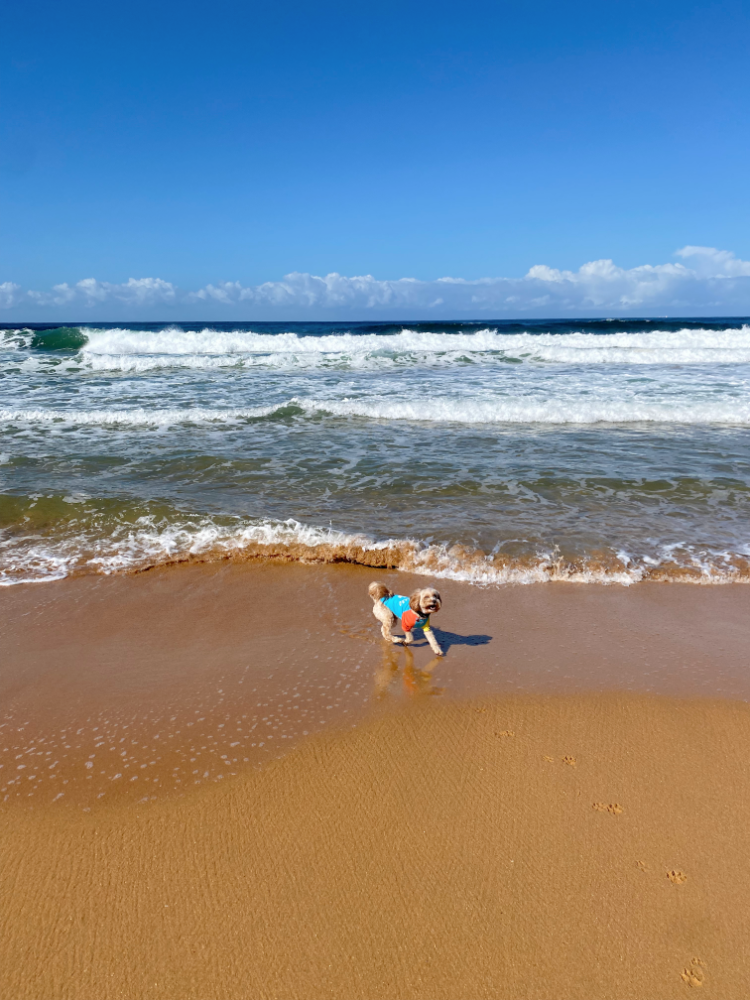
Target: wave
pixel 122 349
pixel 576 411
pixel 141 417
pixel 127 350
pixel 177 342
pixel 60 338
pixel 529 410
pixel 149 543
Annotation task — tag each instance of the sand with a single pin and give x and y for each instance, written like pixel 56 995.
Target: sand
pixel 582 836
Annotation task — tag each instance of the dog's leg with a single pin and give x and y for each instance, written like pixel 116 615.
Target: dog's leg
pixel 387 620
pixel 434 644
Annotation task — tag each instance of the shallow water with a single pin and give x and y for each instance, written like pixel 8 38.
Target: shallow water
pixel 592 451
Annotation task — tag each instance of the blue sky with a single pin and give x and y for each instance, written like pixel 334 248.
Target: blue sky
pixel 199 144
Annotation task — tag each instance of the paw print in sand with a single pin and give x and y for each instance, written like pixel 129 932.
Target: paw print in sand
pixel 571 761
pixel 677 877
pixel 694 974
pixel 613 808
pixel 506 733
pixel 550 760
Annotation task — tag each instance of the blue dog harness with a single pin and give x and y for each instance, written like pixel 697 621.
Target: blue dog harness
pixel 399 605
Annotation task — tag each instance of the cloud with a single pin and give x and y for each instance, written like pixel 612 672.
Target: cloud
pixel 89 292
pixel 713 279
pixel 10 294
pixel 713 263
pixel 709 281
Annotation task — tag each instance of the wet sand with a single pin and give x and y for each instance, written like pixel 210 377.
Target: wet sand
pixel 558 809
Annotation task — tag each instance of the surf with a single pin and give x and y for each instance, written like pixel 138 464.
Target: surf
pixel 553 412
pixel 104 546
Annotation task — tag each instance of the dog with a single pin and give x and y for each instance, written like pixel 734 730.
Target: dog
pixel 413 611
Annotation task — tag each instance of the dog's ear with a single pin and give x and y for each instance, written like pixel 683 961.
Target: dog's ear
pixel 414 602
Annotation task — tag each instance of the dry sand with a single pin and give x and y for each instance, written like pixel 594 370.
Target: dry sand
pixel 481 843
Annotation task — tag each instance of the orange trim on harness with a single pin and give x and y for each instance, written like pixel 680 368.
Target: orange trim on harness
pixel 408 620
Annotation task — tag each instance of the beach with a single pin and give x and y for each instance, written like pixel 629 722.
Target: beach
pixel 558 808
pixel 304 306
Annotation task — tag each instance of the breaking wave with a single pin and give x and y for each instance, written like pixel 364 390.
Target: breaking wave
pixel 140 416
pixel 434 410
pixel 149 542
pixel 122 349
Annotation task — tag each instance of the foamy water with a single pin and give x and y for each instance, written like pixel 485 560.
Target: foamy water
pixel 598 451
pixel 119 349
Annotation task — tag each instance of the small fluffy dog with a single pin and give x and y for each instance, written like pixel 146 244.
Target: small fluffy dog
pixel 413 611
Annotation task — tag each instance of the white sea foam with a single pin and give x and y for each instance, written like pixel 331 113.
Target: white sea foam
pixel 148 543
pixel 572 410
pixel 137 416
pixel 132 350
pixel 535 410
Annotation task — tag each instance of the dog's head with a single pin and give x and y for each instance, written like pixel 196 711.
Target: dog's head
pixel 425 602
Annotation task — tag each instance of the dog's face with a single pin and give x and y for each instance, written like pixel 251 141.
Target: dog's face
pixel 425 602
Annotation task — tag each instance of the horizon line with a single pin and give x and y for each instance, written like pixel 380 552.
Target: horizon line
pixel 375 322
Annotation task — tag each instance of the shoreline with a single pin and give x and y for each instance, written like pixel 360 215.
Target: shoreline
pixel 293 543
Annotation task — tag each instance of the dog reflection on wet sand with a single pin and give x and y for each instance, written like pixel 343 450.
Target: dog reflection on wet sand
pixel 416 682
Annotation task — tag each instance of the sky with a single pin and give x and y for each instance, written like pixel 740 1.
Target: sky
pixel 233 160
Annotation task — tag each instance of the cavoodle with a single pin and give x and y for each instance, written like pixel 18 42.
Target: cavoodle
pixel 413 611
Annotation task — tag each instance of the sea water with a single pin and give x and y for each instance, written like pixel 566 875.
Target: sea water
pixel 607 451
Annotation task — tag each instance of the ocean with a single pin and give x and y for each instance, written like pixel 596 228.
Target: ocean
pixel 608 451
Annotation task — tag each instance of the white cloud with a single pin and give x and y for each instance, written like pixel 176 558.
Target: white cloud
pixel 9 294
pixel 709 281
pixel 90 292
pixel 709 262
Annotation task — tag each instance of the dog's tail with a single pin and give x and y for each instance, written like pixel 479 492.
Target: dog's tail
pixel 378 591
